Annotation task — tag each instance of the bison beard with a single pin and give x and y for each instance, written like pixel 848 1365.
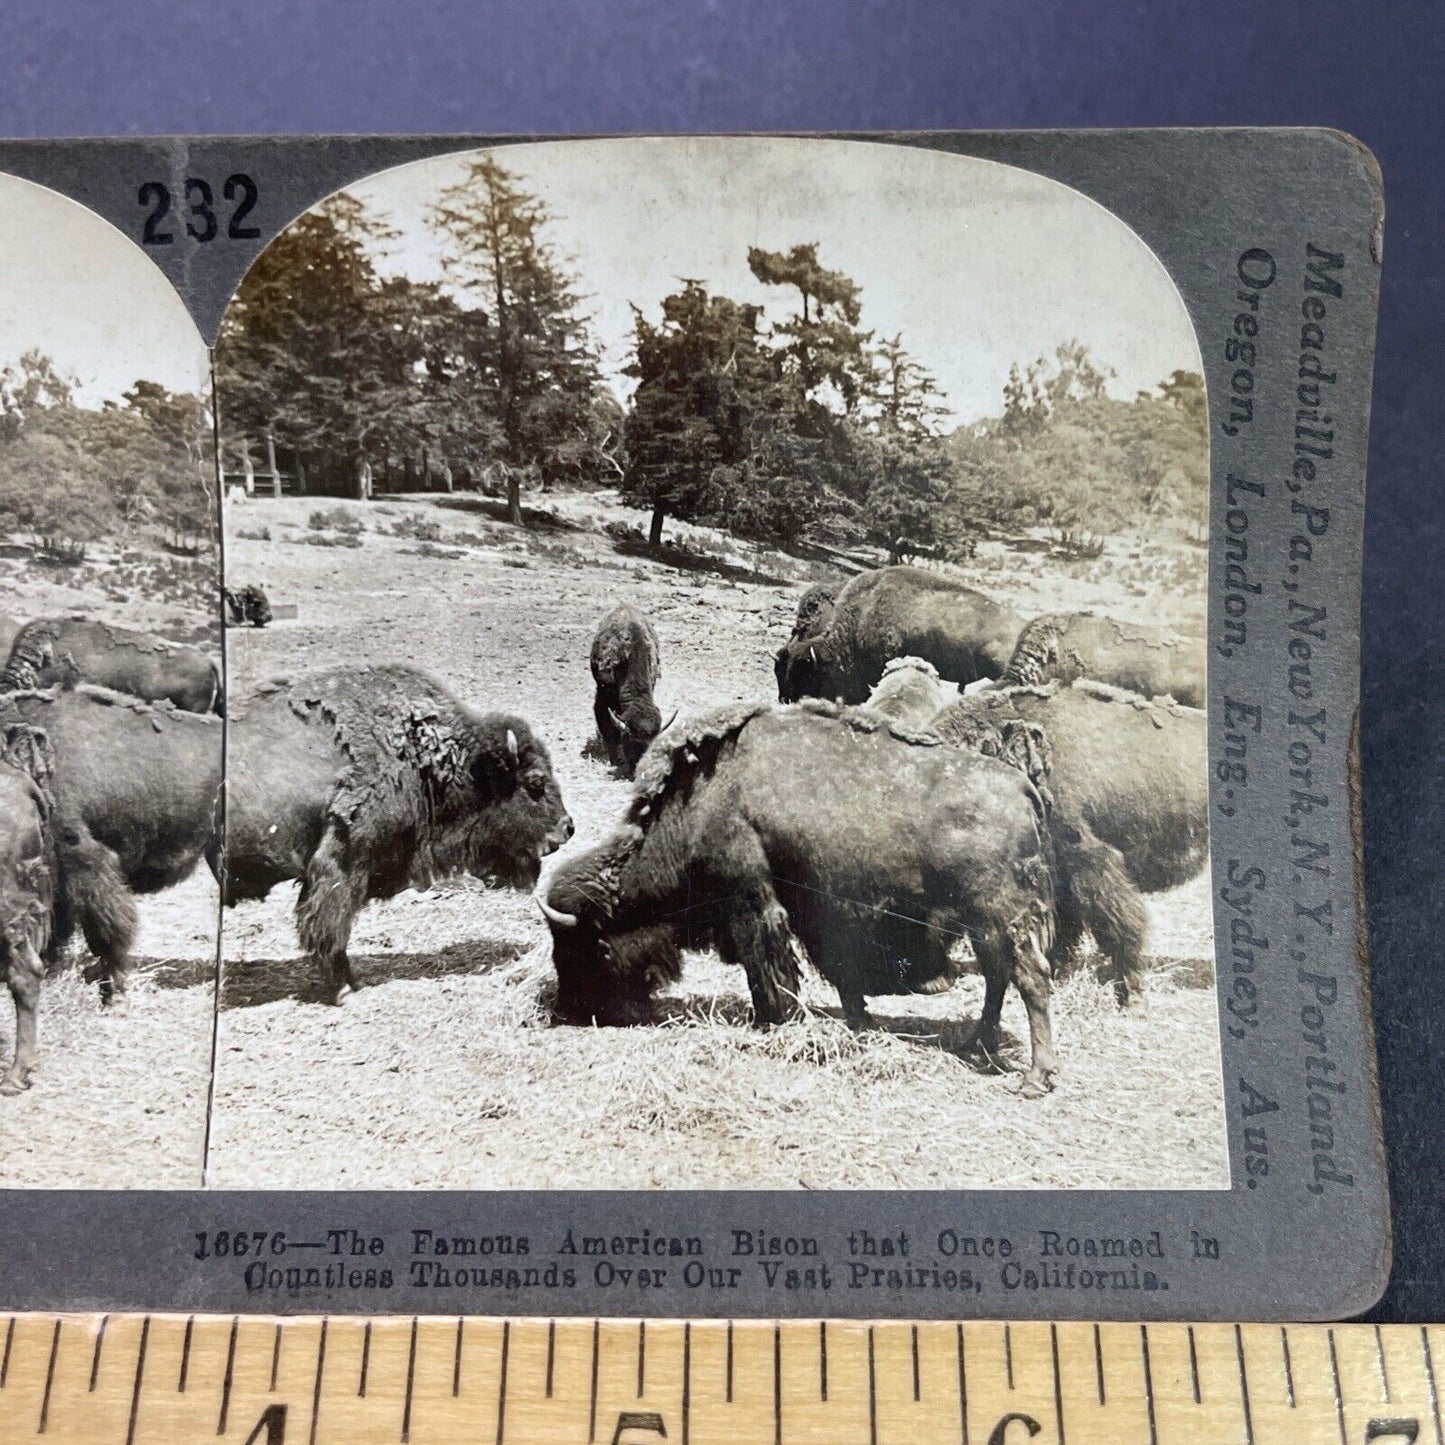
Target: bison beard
pixel 625 665
pixel 360 782
pixel 759 831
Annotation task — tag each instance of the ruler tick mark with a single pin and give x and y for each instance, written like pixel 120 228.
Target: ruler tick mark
pixel 225 1383
pixel 457 1360
pixel 365 1360
pixel 872 1393
pixel 1384 1369
pixel 551 1353
pixel 962 1391
pixel 686 1380
pixel 1099 1365
pixel 275 1357
pixel 1430 1377
pixel 1193 1365
pixel 94 1359
pixel 410 1385
pixel 1244 1386
pixel 316 1388
pixel 502 1392
pixel 1148 1384
pixel 778 1384
pixel 1058 1381
pixel 185 1354
pixel 641 1358
pixel 730 1362
pixel 140 1369
pixel 823 1360
pixel 1335 1375
pixel 592 1417
pixel 1008 1354
pixel 49 1379
pixel 917 1384
pixel 5 1362
pixel 1288 1365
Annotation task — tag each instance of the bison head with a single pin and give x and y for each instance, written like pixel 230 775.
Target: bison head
pixel 608 965
pixel 806 668
pixel 636 726
pixel 503 809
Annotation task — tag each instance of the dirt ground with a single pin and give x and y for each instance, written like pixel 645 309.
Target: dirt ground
pixel 445 1073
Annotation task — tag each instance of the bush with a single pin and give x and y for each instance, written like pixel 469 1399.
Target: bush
pixel 338 519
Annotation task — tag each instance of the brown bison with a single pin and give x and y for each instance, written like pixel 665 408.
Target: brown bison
pixel 136 789
pixel 899 612
pixel 1067 646
pixel 626 663
pixel 27 886
pixel 756 829
pixel 53 650
pixel 1129 793
pixel 815 612
pixel 910 693
pixel 247 606
pixel 362 781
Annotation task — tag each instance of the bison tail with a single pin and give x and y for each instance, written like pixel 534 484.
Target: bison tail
pixel 218 690
pixel 95 896
pixel 1096 893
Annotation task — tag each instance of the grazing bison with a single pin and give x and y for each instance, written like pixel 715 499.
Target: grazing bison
pixel 899 612
pixel 54 650
pixel 136 789
pixel 27 886
pixel 753 829
pixel 815 612
pixel 910 694
pixel 1066 646
pixel 626 664
pixel 1129 792
pixel 362 781
pixel 247 606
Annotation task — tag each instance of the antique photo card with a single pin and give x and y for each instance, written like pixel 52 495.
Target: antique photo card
pixel 788 714
pixel 110 703
pixel 570 432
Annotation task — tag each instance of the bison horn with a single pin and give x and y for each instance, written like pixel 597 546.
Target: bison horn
pixel 672 719
pixel 512 744
pixel 813 653
pixel 554 915
pixel 617 721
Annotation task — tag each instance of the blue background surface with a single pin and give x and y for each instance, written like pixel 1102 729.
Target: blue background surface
pixel 1374 69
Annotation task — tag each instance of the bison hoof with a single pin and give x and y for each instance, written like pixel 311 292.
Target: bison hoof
pixel 1037 1083
pixel 1133 1002
pixel 13 1084
pixel 940 983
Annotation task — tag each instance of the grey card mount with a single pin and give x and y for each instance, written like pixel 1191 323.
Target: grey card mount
pixel 687 725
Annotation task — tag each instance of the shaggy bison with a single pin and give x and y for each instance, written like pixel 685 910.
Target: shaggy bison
pixel 362 781
pixel 136 789
pixel 898 612
pixel 247 606
pixel 1129 792
pixel 1063 647
pixel 910 693
pixel 27 886
pixel 626 664
pixel 753 829
pixel 54 650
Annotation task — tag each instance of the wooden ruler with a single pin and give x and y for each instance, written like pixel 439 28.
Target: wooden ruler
pixel 255 1380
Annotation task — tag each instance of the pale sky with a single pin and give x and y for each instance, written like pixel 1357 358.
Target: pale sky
pixel 74 287
pixel 977 264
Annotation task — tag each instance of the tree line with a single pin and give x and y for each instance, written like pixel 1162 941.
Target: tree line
pixel 71 475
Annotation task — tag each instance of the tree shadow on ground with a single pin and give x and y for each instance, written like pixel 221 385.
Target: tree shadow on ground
pixel 495 509
pixel 299 979
pixel 685 561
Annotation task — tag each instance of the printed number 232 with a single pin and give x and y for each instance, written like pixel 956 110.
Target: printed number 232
pixel 202 224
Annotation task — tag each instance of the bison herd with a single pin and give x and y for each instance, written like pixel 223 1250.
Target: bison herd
pixel 938 770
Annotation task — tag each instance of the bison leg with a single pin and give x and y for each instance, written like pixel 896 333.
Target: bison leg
pixel 26 973
pixel 755 934
pixel 993 962
pixel 330 899
pixel 1031 978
